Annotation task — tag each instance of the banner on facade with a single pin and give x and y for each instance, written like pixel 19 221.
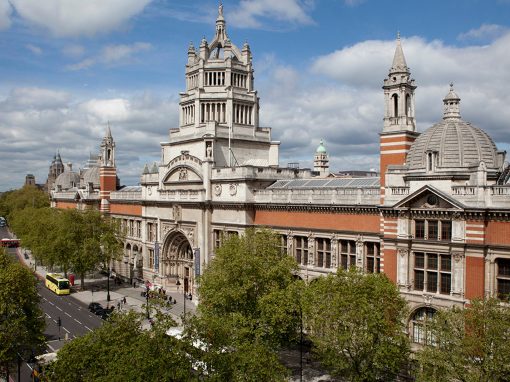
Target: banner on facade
pixel 156 256
pixel 197 261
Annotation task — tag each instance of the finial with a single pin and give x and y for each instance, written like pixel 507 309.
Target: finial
pixel 451 86
pixel 398 35
pixel 220 9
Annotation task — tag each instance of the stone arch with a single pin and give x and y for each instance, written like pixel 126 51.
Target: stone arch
pixel 178 260
pixel 418 324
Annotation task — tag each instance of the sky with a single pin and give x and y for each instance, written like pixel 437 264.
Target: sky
pixel 68 67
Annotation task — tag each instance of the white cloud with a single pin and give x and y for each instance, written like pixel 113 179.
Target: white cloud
pixel 77 17
pixel 485 32
pixel 341 101
pixel 5 14
pixel 112 55
pixel 34 49
pixel 253 13
pixel 35 122
pixel 115 53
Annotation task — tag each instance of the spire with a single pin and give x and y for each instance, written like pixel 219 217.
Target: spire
pixel 451 105
pixel 221 33
pixel 108 131
pixel 399 61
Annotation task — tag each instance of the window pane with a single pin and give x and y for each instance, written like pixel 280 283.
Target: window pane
pixel 503 289
pixel 352 261
pixel 328 260
pixel 370 264
pixel 431 281
pixel 352 247
pixel 503 267
pixel 446 263
pixel 344 261
pixel 432 229
pixel 431 261
pixel 419 280
pixel 419 229
pixel 370 248
pixel 419 260
pixel 446 230
pixel 446 283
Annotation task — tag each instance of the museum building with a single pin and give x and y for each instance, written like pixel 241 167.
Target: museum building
pixel 436 221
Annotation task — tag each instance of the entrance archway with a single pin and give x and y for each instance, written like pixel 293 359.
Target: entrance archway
pixel 178 261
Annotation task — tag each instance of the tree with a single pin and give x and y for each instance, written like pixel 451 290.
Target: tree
pixel 470 344
pixel 22 322
pixel 246 312
pixel 357 324
pixel 28 196
pixel 121 350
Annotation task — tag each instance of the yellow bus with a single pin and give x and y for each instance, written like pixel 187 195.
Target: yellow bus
pixel 57 283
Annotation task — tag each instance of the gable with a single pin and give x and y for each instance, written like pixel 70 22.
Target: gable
pixel 429 197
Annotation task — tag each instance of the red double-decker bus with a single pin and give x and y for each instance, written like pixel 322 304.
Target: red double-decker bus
pixel 9 243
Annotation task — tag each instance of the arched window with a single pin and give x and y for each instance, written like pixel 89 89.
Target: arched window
pixel 419 329
pixel 408 105
pixel 395 105
pixel 429 162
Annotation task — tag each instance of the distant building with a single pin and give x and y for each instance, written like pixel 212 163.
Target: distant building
pixel 436 220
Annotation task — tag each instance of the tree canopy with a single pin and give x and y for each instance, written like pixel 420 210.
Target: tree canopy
pixel 247 309
pixel 17 200
pixel 357 324
pixel 470 344
pixel 122 350
pixel 22 321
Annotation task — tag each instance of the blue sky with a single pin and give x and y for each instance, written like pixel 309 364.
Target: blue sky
pixel 69 66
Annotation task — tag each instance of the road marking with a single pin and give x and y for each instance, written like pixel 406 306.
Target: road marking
pixel 51 347
pixel 59 308
pixel 51 303
pixel 67 314
pixel 78 321
pixel 47 315
pixel 88 328
pixel 66 330
pixel 55 321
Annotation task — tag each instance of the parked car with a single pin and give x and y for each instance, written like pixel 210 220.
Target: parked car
pixel 95 306
pixel 105 313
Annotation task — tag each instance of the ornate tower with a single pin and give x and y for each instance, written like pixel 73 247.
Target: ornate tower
pixel 56 168
pixel 107 170
pixel 219 110
pixel 399 131
pixel 321 161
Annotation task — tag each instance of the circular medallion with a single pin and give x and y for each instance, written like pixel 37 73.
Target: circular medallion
pixel 217 190
pixel 233 189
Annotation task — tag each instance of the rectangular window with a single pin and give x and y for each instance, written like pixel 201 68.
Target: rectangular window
pixel 446 230
pixel 151 258
pixel 432 272
pixel 419 229
pixel 347 253
pixel 503 279
pixel 432 230
pixel 323 249
pixel 373 259
pixel 301 249
pixel 217 238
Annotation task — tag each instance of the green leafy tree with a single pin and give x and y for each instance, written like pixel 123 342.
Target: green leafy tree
pixel 357 324
pixel 121 350
pixel 246 312
pixel 468 345
pixel 21 320
pixel 28 196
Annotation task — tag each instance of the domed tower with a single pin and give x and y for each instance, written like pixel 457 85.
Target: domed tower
pixel 56 168
pixel 399 131
pixel 454 147
pixel 107 170
pixel 321 161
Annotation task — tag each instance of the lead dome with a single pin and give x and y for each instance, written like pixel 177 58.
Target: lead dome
pixel 456 143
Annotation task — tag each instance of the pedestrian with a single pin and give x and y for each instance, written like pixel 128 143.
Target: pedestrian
pixel 118 305
pixel 124 300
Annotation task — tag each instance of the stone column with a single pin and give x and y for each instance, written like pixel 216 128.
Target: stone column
pixel 403 267
pixel 458 261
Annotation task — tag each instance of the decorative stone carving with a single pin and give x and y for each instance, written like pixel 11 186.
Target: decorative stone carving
pixel 456 216
pixel 427 299
pixel 403 252
pixel 177 213
pixel 183 174
pixel 232 189
pixel 217 190
pixel 149 190
pixel 458 256
pixel 208 150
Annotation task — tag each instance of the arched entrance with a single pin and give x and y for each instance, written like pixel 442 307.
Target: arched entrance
pixel 177 261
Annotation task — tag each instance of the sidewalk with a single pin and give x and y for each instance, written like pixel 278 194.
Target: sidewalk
pixel 96 291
